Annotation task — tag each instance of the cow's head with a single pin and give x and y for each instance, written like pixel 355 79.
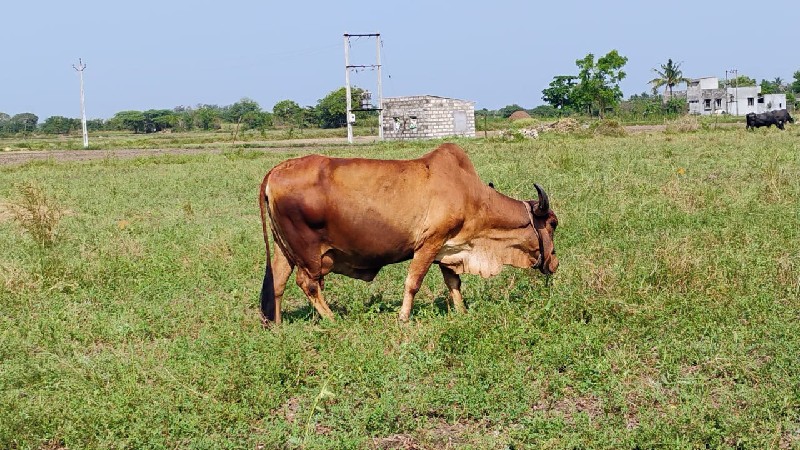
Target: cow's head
pixel 544 221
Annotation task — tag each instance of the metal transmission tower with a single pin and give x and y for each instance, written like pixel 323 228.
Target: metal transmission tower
pixel 365 106
pixel 80 68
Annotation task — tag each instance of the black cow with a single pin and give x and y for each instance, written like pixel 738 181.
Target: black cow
pixel 782 116
pixel 768 119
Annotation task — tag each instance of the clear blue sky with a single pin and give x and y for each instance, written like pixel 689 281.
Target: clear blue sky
pixel 160 54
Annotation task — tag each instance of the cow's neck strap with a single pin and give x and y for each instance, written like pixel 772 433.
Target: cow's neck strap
pixel 540 261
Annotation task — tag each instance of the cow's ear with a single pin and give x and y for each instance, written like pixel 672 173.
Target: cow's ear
pixel 491 185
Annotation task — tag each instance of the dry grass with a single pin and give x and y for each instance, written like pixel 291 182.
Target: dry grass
pixel 37 213
pixel 683 124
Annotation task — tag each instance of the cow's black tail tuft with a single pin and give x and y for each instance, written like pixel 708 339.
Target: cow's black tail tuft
pixel 268 295
pixel 267 286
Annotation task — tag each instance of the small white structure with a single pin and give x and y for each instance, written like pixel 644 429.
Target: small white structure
pixel 706 97
pixel 427 117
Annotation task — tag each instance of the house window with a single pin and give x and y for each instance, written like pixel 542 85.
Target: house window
pixel 750 101
pixel 707 104
pixel 718 102
pixel 761 100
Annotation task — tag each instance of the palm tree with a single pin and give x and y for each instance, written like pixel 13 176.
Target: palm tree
pixel 669 75
pixel 778 82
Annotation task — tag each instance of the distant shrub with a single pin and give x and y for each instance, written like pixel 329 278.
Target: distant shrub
pixel 608 127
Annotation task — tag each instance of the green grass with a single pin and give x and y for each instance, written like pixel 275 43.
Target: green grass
pixel 673 322
pixel 223 138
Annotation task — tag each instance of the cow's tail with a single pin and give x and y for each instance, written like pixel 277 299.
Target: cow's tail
pixel 267 286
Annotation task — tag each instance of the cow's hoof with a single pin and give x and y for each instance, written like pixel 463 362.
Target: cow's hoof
pixel 266 323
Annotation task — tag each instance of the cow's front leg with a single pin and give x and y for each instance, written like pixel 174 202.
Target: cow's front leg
pixel 453 282
pixel 419 266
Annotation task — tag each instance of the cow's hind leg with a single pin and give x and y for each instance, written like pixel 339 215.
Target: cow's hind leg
pixel 313 289
pixel 281 270
pixel 453 282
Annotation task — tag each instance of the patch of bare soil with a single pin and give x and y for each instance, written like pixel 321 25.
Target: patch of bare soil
pixel 570 405
pixel 438 434
pixel 397 442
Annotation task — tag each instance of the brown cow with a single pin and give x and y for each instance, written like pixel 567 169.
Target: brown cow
pixel 353 216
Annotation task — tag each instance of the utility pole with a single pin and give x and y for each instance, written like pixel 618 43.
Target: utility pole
pixel 80 68
pixel 347 88
pixel 347 68
pixel 380 88
pixel 735 73
pixel 727 97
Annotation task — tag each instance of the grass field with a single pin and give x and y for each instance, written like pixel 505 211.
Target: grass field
pixel 673 322
pixel 225 138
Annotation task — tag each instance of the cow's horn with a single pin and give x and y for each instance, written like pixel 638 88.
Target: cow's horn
pixel 544 204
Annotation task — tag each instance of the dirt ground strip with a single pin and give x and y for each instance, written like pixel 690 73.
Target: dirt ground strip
pixel 301 145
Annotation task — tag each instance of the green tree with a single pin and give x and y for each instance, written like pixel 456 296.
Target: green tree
pixel 599 81
pixel 676 105
pixel 795 86
pixel 309 117
pixel 506 111
pixel 184 118
pixel 5 122
pixel 159 120
pixel 560 92
pixel 779 84
pixel 207 117
pixel 23 123
pixel 287 112
pixel 60 125
pixel 129 120
pixel 544 111
pixel 669 75
pixel 742 80
pixel 331 111
pixel 768 87
pixel 237 112
pixel 95 125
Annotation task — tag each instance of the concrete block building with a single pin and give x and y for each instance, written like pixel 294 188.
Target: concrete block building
pixel 427 117
pixel 706 97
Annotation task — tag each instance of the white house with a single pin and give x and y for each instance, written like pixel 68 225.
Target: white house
pixel 706 97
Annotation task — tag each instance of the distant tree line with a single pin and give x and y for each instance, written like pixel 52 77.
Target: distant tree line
pixel 246 114
pixel 594 90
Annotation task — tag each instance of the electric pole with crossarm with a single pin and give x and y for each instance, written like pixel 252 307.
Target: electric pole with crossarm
pixel 80 68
